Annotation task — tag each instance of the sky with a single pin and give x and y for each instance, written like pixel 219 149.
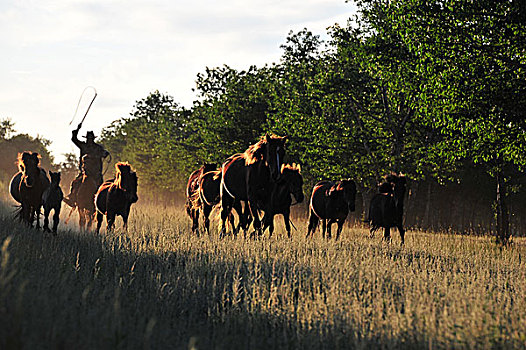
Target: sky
pixel 52 50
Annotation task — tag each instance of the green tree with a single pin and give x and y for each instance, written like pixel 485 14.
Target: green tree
pixel 468 65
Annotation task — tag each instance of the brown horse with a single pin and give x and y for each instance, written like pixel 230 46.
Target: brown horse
pixel 90 182
pixel 116 197
pixel 331 202
pixel 387 207
pixel 27 187
pixel 280 201
pixel 193 204
pixel 209 188
pixel 248 178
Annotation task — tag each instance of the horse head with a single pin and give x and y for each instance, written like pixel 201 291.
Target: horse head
pixel 349 193
pixel 292 175
pixel 399 183
pixel 55 177
pixel 274 154
pixel 209 167
pixel 28 164
pixel 126 180
pixel 386 188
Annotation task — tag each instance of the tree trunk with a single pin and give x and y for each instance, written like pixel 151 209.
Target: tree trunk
pixel 503 224
pixel 427 219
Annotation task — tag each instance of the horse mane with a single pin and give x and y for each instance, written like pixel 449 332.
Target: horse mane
pixel 23 156
pixel 338 186
pixel 256 152
pixel 217 174
pixel 294 167
pixel 120 168
pixel 335 188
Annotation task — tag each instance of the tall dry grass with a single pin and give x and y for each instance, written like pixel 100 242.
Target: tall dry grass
pixel 159 286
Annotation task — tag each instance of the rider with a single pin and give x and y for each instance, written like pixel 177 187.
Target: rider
pixel 91 149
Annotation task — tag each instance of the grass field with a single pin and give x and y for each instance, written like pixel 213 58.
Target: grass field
pixel 159 286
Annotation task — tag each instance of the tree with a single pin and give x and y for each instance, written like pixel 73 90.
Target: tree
pixel 468 65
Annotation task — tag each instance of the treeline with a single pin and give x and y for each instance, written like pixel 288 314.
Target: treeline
pixel 12 143
pixel 436 90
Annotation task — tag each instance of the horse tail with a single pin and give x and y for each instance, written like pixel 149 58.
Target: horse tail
pixel 18 212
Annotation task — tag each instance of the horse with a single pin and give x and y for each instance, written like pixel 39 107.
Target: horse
pixel 27 187
pixel 89 184
pixel 193 204
pixel 248 178
pixel 280 201
pixel 387 207
pixel 115 197
pixel 209 196
pixel 331 202
pixel 52 199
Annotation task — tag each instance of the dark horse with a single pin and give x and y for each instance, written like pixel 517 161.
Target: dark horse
pixel 193 204
pixel 115 197
pixel 331 202
pixel 249 177
pixel 27 187
pixel 280 201
pixel 52 199
pixel 387 207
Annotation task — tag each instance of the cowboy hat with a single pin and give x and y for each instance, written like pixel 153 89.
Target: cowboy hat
pixel 89 134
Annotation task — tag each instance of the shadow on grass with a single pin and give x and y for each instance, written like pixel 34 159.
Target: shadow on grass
pixel 83 291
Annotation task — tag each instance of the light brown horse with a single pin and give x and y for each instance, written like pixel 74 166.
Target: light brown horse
pixel 90 182
pixel 115 197
pixel 27 187
pixel 193 204
pixel 330 202
pixel 249 177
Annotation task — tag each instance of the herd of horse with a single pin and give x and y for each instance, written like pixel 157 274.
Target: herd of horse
pixel 249 183
pixel 32 189
pixel 258 181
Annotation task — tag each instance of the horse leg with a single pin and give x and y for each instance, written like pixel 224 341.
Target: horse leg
pixel 226 210
pixel 56 219
pixel 82 218
pixel 329 228
pixel 340 227
pixel 268 222
pixel 402 233
pixel 252 205
pixel 90 220
pixel 313 224
pixel 100 217
pixel 37 210
pixel 206 213
pixel 110 219
pixel 195 221
pixel 324 228
pixel 125 216
pixel 242 219
pixel 387 233
pixel 46 219
pixel 286 220
pixel 31 215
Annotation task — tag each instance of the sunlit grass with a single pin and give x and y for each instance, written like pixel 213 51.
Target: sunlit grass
pixel 159 286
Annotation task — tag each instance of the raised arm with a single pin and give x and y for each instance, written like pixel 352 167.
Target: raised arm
pixel 74 137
